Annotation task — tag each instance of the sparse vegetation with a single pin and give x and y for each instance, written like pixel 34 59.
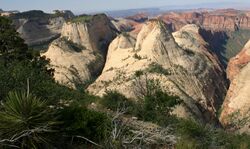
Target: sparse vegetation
pixel 84 18
pixel 74 46
pixel 136 56
pixel 236 42
pixel 204 137
pixel 81 19
pixel 113 100
pixel 157 68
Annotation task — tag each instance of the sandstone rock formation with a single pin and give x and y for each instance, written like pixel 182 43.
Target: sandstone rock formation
pixel 236 107
pixel 37 27
pixel 78 55
pixel 95 34
pixel 186 67
pixel 225 19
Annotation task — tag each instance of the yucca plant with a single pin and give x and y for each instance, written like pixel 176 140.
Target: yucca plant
pixel 25 121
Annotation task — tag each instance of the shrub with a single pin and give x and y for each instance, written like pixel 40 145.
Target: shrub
pixel 155 105
pixel 158 107
pixel 24 120
pixel 138 73
pixel 73 46
pixel 208 137
pixel 114 100
pixel 79 121
pixel 157 68
pixel 136 56
pixel 143 86
pixel 192 129
pixel 82 19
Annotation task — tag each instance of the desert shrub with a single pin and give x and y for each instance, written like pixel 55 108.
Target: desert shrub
pixel 143 86
pixel 157 68
pixel 79 121
pixel 158 107
pixel 82 19
pixel 208 136
pixel 138 73
pixel 191 128
pixel 154 104
pixel 136 56
pixel 73 46
pixel 25 121
pixel 114 100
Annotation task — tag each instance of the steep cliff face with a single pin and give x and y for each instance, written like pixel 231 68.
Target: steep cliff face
pixel 37 27
pixel 178 20
pixel 227 30
pixel 186 67
pixel 71 65
pixel 95 33
pixel 78 55
pixel 225 19
pixel 236 107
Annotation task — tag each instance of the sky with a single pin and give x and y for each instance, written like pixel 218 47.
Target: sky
pixel 98 5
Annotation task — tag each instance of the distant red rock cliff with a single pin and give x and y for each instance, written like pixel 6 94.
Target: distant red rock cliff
pixel 226 19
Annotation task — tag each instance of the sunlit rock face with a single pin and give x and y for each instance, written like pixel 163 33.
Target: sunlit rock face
pixel 78 55
pixel 37 27
pixel 188 69
pixel 236 108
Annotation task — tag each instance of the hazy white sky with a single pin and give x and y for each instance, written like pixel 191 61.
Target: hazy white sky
pixel 98 5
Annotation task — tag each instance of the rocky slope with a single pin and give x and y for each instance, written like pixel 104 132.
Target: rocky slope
pixel 236 108
pixel 37 27
pixel 227 30
pixel 78 55
pixel 186 67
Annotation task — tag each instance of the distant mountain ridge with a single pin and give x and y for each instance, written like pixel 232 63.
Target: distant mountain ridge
pixel 152 11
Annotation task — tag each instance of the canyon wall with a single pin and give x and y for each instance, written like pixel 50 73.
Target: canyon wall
pixel 79 54
pixel 187 68
pixel 235 113
pixel 227 19
pixel 37 27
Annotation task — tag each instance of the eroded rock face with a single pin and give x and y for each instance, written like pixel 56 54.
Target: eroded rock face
pixel 78 55
pixel 236 108
pixel 225 19
pixel 37 27
pixel 71 66
pixel 188 69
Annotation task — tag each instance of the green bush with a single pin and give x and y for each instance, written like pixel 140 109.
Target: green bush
pixel 157 68
pixel 82 19
pixel 114 100
pixel 208 137
pixel 158 107
pixel 25 121
pixel 79 121
pixel 73 46
pixel 191 128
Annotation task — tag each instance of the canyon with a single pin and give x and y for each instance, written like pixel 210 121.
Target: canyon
pixel 186 52
pixel 188 69
pixel 235 113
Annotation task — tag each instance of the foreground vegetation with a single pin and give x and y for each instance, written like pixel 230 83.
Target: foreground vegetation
pixel 35 117
pixel 36 112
